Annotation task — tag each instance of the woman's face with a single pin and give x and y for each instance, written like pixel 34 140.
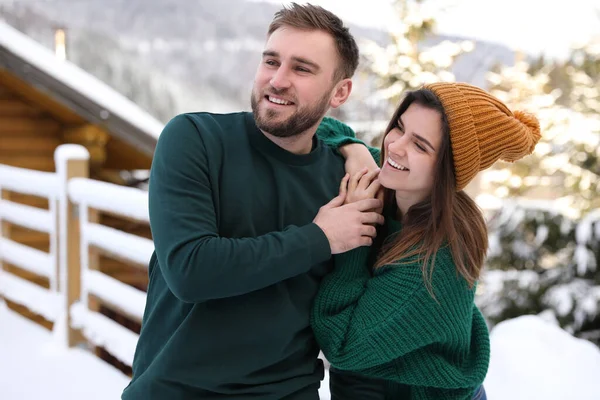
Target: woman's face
pixel 410 154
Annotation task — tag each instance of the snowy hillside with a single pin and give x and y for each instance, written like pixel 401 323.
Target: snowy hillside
pixel 173 56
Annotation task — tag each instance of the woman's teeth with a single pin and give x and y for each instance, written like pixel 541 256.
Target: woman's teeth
pixel 396 165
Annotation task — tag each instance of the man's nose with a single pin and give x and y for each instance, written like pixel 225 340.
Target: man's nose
pixel 280 79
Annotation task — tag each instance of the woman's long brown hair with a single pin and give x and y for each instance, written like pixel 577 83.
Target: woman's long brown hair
pixel 446 218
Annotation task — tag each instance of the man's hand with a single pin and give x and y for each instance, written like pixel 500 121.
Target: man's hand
pixel 349 226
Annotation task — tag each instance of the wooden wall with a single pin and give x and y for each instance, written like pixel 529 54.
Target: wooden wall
pixel 30 131
pixel 28 138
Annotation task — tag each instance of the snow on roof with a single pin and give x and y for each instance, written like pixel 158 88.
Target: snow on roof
pixel 110 102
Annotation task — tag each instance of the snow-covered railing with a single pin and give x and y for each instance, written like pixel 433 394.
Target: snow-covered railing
pixel 92 197
pixel 47 185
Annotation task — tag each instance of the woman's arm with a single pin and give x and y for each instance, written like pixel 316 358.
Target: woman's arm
pixel 341 137
pixel 388 326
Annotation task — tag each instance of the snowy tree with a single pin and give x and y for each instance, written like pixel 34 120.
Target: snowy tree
pixel 544 253
pixel 404 63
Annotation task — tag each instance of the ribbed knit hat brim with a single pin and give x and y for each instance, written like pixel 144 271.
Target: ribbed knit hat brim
pixel 483 130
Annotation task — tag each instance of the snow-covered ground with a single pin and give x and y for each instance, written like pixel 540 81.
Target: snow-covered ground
pixel 34 367
pixel 531 359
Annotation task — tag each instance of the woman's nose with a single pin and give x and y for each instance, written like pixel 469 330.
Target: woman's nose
pixel 398 147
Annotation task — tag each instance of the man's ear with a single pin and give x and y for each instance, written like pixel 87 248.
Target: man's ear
pixel 341 93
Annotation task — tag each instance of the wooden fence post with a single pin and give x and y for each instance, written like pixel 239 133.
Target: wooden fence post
pixel 72 161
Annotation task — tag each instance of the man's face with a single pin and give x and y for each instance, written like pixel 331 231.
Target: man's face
pixel 294 86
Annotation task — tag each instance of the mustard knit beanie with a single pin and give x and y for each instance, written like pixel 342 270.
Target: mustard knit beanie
pixel 483 130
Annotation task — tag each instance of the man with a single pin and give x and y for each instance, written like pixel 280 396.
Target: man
pixel 241 239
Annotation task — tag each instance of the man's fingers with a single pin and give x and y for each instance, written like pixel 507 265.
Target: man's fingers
pixel 367 204
pixel 368 230
pixel 372 218
pixel 365 241
pixel 338 200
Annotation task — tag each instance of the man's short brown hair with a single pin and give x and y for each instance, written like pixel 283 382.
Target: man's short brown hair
pixel 311 17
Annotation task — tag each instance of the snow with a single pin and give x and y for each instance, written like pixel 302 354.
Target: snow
pixel 66 152
pixel 126 298
pixel 28 258
pixel 578 291
pixel 36 298
pixel 534 359
pixel 103 331
pixel 584 232
pixel 531 359
pixel 561 298
pixel 27 181
pixel 498 289
pixel 71 76
pixel 132 202
pixel 124 245
pixel 541 234
pixel 41 369
pixel 26 216
pixel 494 245
pixel 585 260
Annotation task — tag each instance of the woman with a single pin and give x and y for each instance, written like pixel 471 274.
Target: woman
pixel 398 320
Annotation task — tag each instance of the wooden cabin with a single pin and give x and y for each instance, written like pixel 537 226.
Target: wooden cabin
pixel 46 101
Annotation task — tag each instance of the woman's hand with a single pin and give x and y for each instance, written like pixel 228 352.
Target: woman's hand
pixel 357 157
pixel 362 185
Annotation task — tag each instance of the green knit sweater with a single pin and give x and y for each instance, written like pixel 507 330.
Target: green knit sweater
pixel 386 325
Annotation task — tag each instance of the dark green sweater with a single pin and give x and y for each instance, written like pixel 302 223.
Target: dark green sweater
pixel 237 263
pixel 386 325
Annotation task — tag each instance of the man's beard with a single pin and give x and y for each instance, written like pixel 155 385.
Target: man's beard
pixel 300 121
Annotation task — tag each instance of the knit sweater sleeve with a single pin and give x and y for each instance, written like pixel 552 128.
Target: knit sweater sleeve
pixel 198 264
pixel 337 134
pixel 389 326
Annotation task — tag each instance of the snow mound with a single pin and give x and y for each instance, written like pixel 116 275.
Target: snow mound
pixel 535 359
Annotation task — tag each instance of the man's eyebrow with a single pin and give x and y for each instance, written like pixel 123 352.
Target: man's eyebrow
pixel 307 62
pixel 270 53
pixel 273 53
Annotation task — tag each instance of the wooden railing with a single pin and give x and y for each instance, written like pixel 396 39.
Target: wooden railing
pixel 47 302
pixel 97 288
pixel 77 287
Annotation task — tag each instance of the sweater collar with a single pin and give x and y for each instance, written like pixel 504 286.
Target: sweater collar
pixel 269 148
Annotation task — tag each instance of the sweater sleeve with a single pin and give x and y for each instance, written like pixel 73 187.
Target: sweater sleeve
pixel 196 262
pixel 388 326
pixel 337 134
